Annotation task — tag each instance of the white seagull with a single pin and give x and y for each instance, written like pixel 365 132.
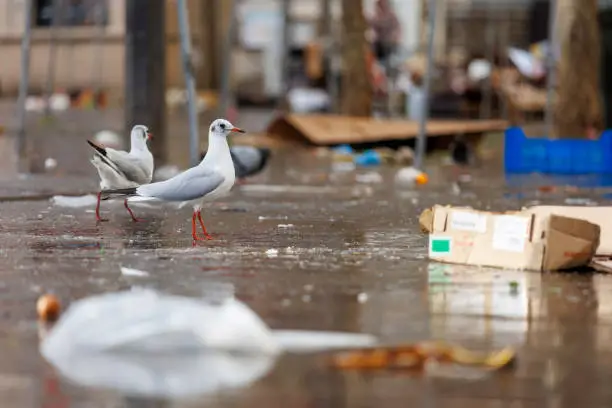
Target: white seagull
pixel 119 169
pixel 209 180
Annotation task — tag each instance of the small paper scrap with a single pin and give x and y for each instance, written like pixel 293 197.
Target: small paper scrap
pixel 133 272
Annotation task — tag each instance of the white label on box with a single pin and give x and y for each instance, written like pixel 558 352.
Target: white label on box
pixel 468 221
pixel 510 233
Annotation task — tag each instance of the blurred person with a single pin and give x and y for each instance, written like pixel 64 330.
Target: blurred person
pixel 386 28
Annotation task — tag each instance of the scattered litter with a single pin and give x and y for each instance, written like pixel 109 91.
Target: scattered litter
pixel 368 158
pixel 272 253
pixel 278 217
pixel 362 297
pixel 361 191
pixel 418 355
pixel 174 376
pixel 369 178
pixel 306 298
pixel 343 150
pixel 404 156
pixel 409 177
pixel 143 321
pixel 562 237
pixel 133 272
pixel 343 154
pixel 74 201
pixel 285 225
pixel 308 287
pixel 387 154
pixel 343 166
pixel 308 341
pixel 48 308
pixel 50 163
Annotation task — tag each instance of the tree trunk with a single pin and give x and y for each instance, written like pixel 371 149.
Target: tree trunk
pixel 356 90
pixel 145 80
pixel 209 72
pixel 578 109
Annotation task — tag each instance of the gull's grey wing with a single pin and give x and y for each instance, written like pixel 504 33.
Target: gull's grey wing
pixel 189 185
pixel 132 167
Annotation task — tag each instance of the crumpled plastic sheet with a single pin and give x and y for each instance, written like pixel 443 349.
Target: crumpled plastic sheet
pixel 88 200
pixel 174 376
pixel 142 342
pixel 145 321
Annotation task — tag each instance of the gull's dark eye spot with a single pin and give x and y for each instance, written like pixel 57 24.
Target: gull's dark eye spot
pixel 222 126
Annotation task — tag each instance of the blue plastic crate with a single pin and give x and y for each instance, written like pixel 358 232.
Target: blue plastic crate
pixel 558 156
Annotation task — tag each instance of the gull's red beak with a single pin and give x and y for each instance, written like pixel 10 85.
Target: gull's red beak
pixel 238 130
pixel 149 136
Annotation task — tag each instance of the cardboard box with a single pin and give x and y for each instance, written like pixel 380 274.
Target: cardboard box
pixel 601 216
pixel 531 240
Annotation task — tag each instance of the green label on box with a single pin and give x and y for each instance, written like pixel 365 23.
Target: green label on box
pixel 439 245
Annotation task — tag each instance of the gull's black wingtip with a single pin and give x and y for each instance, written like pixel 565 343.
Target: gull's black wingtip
pixel 106 194
pixel 97 147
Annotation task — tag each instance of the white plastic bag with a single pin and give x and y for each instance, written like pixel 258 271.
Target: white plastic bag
pixel 147 322
pixel 145 343
pixel 164 376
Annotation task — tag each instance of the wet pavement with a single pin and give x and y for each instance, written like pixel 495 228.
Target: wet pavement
pixel 321 252
pixel 301 258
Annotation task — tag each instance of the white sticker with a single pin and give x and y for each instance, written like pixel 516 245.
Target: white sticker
pixel 510 233
pixel 468 221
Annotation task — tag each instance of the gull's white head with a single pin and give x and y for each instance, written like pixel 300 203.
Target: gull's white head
pixel 140 136
pixel 222 127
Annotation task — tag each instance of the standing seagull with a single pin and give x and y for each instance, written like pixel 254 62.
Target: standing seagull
pixel 209 180
pixel 119 169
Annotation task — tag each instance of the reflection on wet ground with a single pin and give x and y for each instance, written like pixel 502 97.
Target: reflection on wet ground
pixel 348 258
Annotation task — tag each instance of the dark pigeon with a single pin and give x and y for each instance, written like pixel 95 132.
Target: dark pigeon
pixel 248 160
pixel 462 153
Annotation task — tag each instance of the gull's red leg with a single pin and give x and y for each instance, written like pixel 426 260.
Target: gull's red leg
pixel 127 207
pixel 98 218
pixel 202 225
pixel 194 233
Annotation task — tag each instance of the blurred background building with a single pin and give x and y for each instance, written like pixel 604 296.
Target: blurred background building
pixel 91 51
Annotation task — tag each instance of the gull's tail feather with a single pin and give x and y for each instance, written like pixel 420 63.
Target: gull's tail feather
pixel 103 155
pixel 118 192
pixel 97 147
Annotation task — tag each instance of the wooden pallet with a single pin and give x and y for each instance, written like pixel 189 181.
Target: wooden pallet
pixel 326 130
